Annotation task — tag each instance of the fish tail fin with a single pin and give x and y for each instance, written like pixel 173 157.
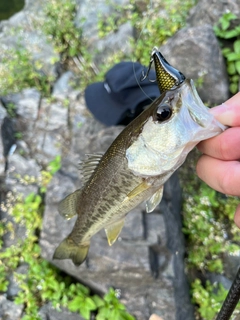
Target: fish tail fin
pixel 70 250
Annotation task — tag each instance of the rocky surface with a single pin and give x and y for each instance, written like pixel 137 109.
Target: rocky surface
pixel 9 310
pixel 146 263
pixel 196 52
pixel 209 12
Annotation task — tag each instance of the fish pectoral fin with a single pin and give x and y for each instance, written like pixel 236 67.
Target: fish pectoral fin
pixel 69 250
pixel 195 118
pixel 139 189
pixel 154 200
pixel 67 208
pixel 113 231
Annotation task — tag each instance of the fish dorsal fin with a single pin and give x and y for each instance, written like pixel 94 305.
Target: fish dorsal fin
pixel 67 208
pixel 113 231
pixel 154 200
pixel 88 166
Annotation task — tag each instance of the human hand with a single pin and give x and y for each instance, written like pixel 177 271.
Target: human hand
pixel 219 165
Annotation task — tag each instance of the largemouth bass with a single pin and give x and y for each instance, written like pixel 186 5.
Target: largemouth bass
pixel 138 162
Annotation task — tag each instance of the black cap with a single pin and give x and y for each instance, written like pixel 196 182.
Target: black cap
pixel 121 91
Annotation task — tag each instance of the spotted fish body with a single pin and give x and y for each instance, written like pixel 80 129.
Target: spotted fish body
pixel 137 164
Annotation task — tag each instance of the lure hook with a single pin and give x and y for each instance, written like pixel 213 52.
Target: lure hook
pixel 145 76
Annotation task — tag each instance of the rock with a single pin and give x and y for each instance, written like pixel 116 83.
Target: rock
pixel 231 264
pixel 3 114
pixel 171 208
pixel 88 19
pixel 26 105
pixel 62 87
pixel 47 312
pixel 9 310
pixel 44 126
pixel 87 16
pixel 13 287
pixel 196 52
pixel 218 278
pixel 118 41
pixel 209 12
pixel 19 168
pixel 29 37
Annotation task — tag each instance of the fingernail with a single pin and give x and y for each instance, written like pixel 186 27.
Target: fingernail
pixel 223 114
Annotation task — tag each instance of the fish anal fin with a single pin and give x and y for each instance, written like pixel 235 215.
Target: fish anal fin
pixel 113 231
pixel 154 200
pixel 139 189
pixel 69 250
pixel 67 208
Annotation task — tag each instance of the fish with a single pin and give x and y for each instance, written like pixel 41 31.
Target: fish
pixel 138 162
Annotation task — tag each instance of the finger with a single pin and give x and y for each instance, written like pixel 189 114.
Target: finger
pixel 224 146
pixel 223 176
pixel 228 113
pixel 155 317
pixel 237 216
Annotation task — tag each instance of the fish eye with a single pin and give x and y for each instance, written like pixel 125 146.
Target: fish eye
pixel 163 112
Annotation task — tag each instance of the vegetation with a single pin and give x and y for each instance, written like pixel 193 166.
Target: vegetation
pixel 231 47
pixel 207 214
pixel 66 38
pixel 208 217
pixel 18 70
pixel 154 23
pixel 209 298
pixel 210 234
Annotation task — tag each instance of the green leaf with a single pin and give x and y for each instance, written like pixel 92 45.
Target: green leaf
pixel 85 312
pixel 231 68
pixel 98 301
pixel 233 56
pixel 231 34
pixel 233 88
pixel 236 46
pixel 225 24
pixel 30 198
pixel 90 304
pixel 76 304
pixel 237 64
